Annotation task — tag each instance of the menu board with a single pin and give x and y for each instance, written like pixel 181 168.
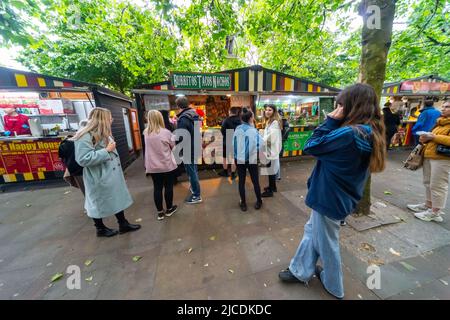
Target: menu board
pixel 30 156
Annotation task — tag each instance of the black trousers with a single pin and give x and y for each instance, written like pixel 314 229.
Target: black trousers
pixel 242 173
pixel 162 181
pixel 98 222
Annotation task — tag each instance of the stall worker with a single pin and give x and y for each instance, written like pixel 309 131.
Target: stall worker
pixel 15 122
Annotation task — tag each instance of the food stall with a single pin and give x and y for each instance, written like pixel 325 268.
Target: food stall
pixel 304 103
pixel 54 107
pixel 407 98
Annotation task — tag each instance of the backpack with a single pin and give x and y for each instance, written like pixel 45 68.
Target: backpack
pixel 66 152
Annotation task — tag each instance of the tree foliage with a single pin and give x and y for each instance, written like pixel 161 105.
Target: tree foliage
pixel 123 43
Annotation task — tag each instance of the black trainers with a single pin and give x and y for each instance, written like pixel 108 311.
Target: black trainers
pixel 106 232
pixel 161 215
pixel 267 194
pixel 287 276
pixel 128 227
pixel 171 211
pixel 258 205
pixel 223 173
pixel 193 200
pixel 267 189
pixel 243 206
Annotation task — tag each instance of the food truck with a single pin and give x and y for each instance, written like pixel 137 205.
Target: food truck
pixel 304 103
pixel 407 98
pixel 54 107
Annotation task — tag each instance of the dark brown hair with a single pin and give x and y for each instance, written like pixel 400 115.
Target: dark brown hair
pixel 360 104
pixel 182 102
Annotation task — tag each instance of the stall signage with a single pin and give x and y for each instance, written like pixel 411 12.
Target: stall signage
pixel 296 140
pixel 29 156
pixel 208 81
pixel 425 87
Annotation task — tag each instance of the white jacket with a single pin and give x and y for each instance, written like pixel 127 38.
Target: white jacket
pixel 272 141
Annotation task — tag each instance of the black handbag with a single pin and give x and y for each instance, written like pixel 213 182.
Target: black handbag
pixel 443 150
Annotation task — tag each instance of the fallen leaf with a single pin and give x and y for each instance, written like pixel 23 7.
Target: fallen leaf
pixel 444 282
pixel 56 277
pixel 138 220
pixel 387 192
pixel 380 204
pixel 28 205
pixel 87 263
pixel 15 295
pixel 360 296
pixel 230 271
pixel 377 262
pixel 407 266
pixel 206 265
pixel 190 250
pixel 368 247
pixel 49 264
pixel 394 252
pixel 67 192
pixel 212 238
pixel 137 258
pixel 179 239
pixel 265 285
pixel 89 279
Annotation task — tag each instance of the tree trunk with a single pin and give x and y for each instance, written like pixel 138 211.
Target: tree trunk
pixel 375 42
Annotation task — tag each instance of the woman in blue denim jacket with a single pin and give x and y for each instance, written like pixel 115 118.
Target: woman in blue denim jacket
pixel 348 147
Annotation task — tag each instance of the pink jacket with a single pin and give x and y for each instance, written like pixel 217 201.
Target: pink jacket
pixel 158 152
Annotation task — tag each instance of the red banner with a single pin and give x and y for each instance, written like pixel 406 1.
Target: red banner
pixel 30 156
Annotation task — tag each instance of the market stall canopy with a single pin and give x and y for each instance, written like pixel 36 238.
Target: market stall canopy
pixel 13 80
pixel 431 85
pixel 253 79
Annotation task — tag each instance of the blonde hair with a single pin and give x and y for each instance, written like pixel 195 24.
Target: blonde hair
pixel 155 122
pixel 275 116
pixel 98 125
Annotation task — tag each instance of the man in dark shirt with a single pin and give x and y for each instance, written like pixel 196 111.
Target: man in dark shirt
pixel 229 123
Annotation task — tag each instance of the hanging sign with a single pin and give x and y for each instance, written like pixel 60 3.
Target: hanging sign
pixel 207 81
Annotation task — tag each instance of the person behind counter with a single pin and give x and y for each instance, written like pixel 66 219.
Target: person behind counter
pixel 230 123
pixel 16 123
pixel 391 121
pixel 106 190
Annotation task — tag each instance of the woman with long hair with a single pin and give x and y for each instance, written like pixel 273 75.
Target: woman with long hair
pixel 246 145
pixel 273 144
pixel 160 162
pixel 348 146
pixel 106 191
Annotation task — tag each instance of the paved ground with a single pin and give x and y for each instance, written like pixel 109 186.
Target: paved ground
pixel 212 250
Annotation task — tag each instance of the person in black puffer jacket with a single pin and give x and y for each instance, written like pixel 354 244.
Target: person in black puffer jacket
pixel 66 152
pixel 230 123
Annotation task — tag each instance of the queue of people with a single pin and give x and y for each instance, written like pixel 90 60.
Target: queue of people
pixel 348 146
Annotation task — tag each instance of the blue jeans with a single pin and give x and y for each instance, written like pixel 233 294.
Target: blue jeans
pixel 321 239
pixel 192 173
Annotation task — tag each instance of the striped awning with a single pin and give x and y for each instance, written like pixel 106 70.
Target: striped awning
pixel 16 79
pixel 261 80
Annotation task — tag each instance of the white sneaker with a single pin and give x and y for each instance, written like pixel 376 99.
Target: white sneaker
pixel 417 207
pixel 429 215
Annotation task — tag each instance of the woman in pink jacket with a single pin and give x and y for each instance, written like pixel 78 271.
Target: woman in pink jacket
pixel 160 162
